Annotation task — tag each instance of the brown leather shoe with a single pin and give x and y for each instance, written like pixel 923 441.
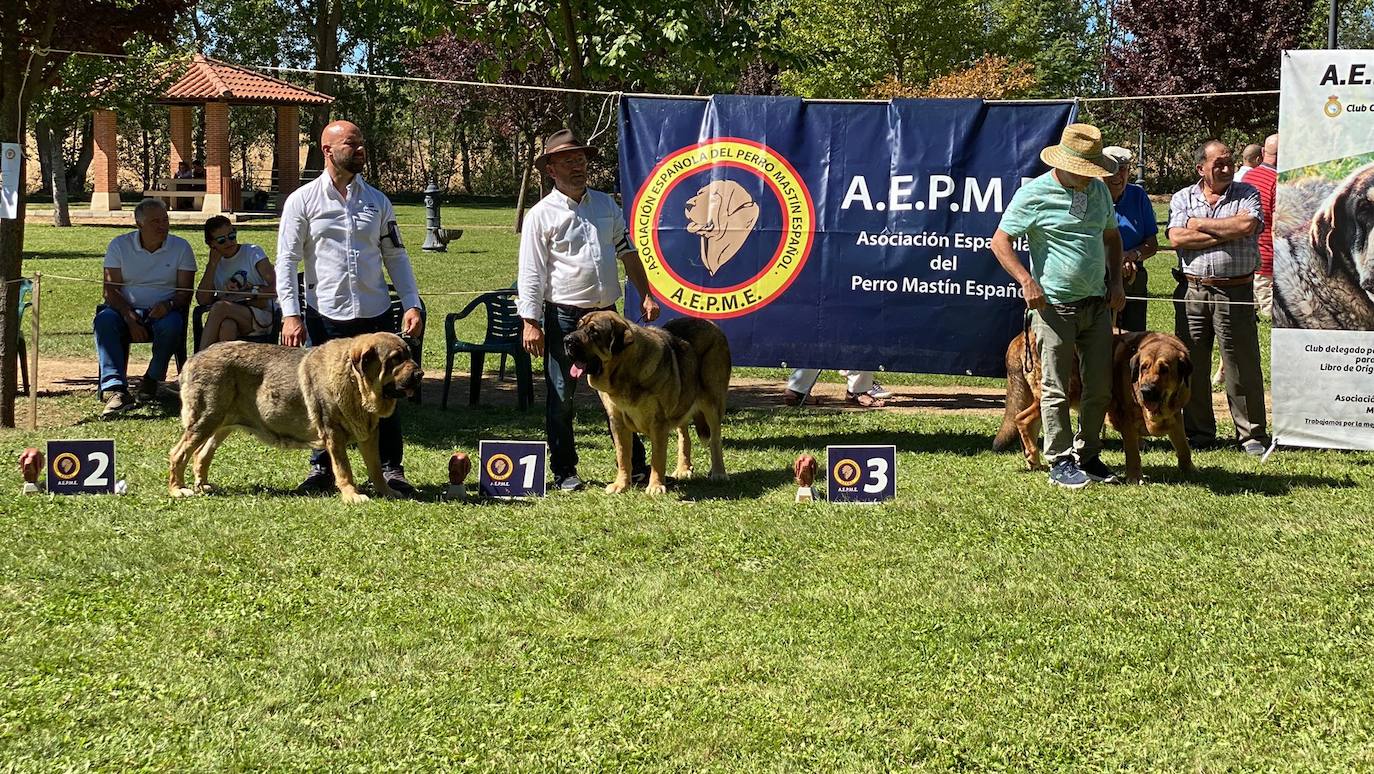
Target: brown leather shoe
pixel 864 400
pixel 794 398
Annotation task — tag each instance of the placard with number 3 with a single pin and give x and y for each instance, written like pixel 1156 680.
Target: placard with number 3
pixel 860 474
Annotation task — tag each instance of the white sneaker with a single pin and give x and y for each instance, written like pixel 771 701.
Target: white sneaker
pixel 877 391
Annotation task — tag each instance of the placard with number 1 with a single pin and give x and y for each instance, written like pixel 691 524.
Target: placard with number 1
pixel 512 468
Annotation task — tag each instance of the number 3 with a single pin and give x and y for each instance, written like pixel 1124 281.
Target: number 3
pixel 877 469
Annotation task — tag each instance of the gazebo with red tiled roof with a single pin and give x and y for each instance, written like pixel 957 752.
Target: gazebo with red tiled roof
pixel 216 85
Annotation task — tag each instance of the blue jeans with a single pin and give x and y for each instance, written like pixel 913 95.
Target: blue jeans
pixel 561 388
pixel 112 345
pixel 321 329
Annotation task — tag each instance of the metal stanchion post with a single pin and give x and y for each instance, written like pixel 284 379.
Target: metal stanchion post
pixel 33 352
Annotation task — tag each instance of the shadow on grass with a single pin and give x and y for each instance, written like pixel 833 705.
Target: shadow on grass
pixel 1220 481
pixel 939 442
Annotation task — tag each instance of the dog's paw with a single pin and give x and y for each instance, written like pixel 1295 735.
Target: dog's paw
pixel 718 475
pixel 617 486
pixel 682 473
pixel 388 493
pixel 205 487
pixel 354 498
pixel 656 488
pixel 181 491
pixel 1136 480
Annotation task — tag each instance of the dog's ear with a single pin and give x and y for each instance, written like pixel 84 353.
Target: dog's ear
pixel 1135 368
pixel 363 357
pixel 1185 369
pixel 622 336
pixel 1333 231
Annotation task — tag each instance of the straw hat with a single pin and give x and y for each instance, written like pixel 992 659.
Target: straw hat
pixel 1080 151
pixel 558 142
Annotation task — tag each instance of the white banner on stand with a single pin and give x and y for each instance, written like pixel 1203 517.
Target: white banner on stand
pixel 11 156
pixel 1322 350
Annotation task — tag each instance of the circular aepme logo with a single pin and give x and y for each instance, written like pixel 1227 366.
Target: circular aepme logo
pixel 499 467
pixel 66 465
pixel 846 472
pixel 731 214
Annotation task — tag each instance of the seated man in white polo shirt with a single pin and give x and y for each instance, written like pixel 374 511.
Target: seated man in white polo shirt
pixel 149 277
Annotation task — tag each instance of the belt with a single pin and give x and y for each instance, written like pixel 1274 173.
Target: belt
pixel 1220 282
pixel 581 309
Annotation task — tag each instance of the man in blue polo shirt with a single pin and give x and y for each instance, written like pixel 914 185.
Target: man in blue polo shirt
pixel 1067 216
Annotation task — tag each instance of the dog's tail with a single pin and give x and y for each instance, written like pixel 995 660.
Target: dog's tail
pixel 1018 394
pixel 703 429
pixel 1007 434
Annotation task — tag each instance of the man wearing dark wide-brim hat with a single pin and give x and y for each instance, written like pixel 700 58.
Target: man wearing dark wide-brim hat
pixel 570 242
pixel 1068 217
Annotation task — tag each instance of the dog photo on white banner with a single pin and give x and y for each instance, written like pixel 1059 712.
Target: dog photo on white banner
pixel 1323 339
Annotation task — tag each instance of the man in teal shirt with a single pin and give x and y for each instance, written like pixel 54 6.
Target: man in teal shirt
pixel 1068 218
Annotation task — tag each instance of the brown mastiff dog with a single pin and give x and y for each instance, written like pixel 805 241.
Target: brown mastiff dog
pixel 323 397
pixel 652 380
pixel 1151 374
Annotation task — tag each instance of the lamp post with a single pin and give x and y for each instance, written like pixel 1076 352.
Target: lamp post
pixel 1332 23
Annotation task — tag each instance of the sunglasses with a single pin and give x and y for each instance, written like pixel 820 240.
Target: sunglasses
pixel 232 236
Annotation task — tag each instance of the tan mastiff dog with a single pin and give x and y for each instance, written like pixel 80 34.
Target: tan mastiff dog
pixel 652 380
pixel 323 397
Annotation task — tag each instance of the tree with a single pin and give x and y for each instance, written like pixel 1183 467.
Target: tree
pixel 991 77
pixel 83 84
pixel 28 69
pixel 1170 47
pixel 842 48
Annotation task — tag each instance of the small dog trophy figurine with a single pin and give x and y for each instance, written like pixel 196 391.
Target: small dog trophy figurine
pixel 31 465
pixel 805 470
pixel 459 466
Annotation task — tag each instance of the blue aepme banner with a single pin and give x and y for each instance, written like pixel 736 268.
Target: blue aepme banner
pixel 834 235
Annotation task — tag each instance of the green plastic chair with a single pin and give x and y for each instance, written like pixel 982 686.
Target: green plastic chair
pixel 25 301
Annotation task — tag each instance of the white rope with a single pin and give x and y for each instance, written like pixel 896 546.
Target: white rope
pixel 617 94
pixel 1173 300
pixel 90 280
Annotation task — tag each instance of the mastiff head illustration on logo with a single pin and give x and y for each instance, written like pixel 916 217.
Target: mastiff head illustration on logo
pixel 733 237
pixel 722 214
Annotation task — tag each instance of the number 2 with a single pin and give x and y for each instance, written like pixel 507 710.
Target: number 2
pixel 97 476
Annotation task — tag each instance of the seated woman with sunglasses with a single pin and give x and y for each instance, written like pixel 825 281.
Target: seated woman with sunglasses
pixel 241 283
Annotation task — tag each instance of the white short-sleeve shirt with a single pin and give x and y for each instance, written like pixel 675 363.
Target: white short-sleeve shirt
pixel 149 277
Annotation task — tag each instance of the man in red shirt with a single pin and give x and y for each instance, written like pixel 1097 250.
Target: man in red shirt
pixel 1265 177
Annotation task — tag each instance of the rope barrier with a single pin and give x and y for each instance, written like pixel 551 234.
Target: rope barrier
pixel 475 293
pixel 617 94
pixel 178 288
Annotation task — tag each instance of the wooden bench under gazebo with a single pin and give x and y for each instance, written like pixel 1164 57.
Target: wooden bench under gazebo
pixel 218 86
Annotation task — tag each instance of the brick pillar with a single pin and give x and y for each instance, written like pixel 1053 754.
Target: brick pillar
pixel 288 149
pixel 105 163
pixel 181 119
pixel 217 170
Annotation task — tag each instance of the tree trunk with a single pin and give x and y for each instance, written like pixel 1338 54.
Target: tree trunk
pixel 44 154
pixel 328 14
pixel 573 52
pixel 76 174
pixel 524 181
pixel 466 150
pixel 50 140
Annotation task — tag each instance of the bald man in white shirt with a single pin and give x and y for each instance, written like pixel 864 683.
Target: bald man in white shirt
pixel 344 231
pixel 570 243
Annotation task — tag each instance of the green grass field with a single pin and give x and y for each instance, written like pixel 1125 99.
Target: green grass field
pixel 981 621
